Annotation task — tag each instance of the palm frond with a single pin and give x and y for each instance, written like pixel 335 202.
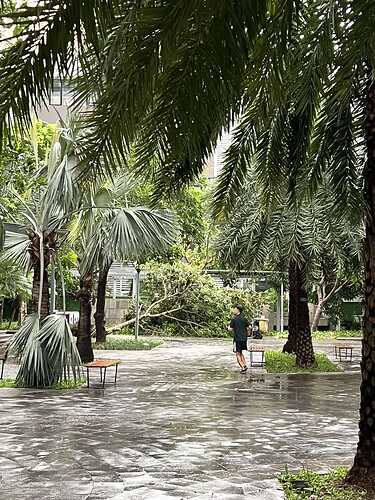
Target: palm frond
pixel 19 340
pixel 47 352
pixel 51 34
pixel 16 246
pixel 59 347
pixel 136 233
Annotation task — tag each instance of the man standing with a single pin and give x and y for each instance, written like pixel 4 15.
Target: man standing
pixel 239 326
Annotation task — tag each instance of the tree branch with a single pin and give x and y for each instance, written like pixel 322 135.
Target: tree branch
pixel 145 315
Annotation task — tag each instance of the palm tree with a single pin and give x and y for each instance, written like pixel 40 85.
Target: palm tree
pixel 296 238
pixel 32 239
pixel 156 70
pixel 108 232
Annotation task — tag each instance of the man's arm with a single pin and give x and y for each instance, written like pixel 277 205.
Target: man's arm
pixel 231 324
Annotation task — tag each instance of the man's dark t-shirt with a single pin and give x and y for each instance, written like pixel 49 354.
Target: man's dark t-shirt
pixel 239 324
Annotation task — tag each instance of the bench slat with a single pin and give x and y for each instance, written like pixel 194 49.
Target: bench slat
pixel 102 363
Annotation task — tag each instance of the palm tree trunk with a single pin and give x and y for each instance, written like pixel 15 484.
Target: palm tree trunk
pixel 363 470
pixel 299 323
pixel 100 304
pixel 22 313
pixel 1 310
pixel 35 291
pixel 290 345
pixel 304 347
pixel 84 325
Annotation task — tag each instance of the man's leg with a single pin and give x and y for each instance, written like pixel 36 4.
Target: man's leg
pixel 243 360
pixel 239 357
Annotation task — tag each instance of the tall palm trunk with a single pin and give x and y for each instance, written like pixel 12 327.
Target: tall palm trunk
pixel 299 338
pixel 290 345
pixel 100 304
pixel 363 470
pixel 84 325
pixel 40 255
pixel 45 291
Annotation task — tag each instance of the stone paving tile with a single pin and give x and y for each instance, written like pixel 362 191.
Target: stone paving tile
pixel 181 423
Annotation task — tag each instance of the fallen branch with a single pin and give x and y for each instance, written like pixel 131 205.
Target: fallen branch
pixel 118 327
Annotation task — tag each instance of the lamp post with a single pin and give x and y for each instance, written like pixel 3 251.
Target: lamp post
pixel 137 293
pixel 282 307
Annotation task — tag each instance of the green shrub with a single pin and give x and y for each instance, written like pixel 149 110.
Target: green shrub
pixel 320 486
pixel 122 343
pixel 279 362
pixel 320 335
pixel 127 330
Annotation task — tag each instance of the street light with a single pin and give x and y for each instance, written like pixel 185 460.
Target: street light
pixel 137 294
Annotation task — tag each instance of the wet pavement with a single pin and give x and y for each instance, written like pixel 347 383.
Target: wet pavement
pixel 181 423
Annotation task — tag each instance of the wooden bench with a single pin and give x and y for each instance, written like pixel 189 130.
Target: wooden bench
pixel 343 352
pixel 253 348
pixel 102 364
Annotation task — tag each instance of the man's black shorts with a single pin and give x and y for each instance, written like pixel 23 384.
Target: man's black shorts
pixel 239 346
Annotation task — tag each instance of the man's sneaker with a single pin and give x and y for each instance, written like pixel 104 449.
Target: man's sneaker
pixel 244 369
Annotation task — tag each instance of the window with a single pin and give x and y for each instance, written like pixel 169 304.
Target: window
pixel 60 94
pixel 56 93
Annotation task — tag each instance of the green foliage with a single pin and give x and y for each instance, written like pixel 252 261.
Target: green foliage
pixel 12 326
pixel 13 282
pixel 180 300
pixel 69 384
pixel 122 343
pixel 320 335
pixel 23 157
pixel 64 384
pixel 7 382
pixel 191 208
pixel 279 362
pixel 320 486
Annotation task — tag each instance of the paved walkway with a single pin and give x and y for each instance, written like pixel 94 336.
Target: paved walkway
pixel 181 423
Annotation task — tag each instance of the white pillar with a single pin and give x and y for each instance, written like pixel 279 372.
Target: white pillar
pixel 278 315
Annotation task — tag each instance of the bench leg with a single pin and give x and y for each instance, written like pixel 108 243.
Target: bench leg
pixel 105 372
pixel 88 378
pixel 2 369
pixel 101 375
pixel 116 373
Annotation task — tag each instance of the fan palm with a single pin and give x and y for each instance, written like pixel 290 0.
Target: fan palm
pixel 32 239
pixel 109 232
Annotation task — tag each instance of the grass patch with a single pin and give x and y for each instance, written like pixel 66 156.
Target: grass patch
pixel 320 486
pixel 320 335
pixel 7 382
pixel 279 362
pixel 6 326
pixel 122 343
pixel 64 384
pixel 69 384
